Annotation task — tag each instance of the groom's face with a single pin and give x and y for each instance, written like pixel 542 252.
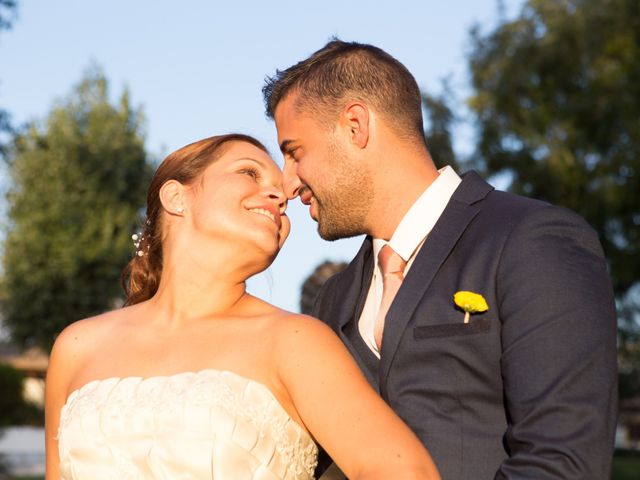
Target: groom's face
pixel 319 170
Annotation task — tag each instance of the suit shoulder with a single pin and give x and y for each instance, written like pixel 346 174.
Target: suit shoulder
pixel 512 209
pixel 507 201
pixel 333 280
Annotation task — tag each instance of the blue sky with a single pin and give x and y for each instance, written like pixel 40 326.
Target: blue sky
pixel 197 68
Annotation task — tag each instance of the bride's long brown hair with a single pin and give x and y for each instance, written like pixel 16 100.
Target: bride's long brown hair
pixel 141 277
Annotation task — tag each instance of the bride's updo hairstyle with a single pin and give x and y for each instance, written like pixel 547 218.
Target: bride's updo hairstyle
pixel 141 277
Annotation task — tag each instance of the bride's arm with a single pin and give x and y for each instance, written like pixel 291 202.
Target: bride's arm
pixel 54 400
pixel 353 424
pixel 63 359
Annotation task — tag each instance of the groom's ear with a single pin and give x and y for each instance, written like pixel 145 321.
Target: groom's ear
pixel 356 118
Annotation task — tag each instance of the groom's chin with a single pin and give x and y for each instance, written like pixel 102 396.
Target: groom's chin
pixel 334 232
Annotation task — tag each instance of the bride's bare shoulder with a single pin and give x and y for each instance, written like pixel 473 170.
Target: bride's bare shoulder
pixel 81 337
pixel 74 346
pixel 282 322
pixel 295 330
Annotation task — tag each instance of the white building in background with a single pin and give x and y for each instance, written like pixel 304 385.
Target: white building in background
pixel 23 447
pixel 32 363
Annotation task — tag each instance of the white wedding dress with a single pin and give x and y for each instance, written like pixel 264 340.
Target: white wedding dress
pixel 201 425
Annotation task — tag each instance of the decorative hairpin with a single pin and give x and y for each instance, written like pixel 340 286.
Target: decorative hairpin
pixel 137 239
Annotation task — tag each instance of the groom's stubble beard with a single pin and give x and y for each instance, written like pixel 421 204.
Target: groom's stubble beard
pixel 345 205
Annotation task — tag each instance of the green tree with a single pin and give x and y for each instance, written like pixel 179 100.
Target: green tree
pixel 78 185
pixel 313 283
pixel 7 12
pixel 440 120
pixel 557 103
pixel 14 409
pixel 557 99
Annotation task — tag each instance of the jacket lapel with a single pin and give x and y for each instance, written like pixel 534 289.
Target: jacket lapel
pixel 351 289
pixel 460 210
pixel 350 286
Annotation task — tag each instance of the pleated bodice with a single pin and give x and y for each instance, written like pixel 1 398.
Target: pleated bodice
pixel 209 424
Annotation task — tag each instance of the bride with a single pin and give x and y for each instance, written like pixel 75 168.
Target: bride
pixel 195 378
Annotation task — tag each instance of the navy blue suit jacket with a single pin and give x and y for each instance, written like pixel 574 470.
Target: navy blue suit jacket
pixel 526 389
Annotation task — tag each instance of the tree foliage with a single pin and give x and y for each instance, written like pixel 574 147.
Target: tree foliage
pixel 557 102
pixel 78 183
pixel 14 409
pixel 438 132
pixel 313 283
pixel 7 13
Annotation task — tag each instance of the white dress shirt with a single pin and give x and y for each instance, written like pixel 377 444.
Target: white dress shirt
pixel 405 241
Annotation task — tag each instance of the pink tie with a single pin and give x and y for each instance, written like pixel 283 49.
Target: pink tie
pixel 392 267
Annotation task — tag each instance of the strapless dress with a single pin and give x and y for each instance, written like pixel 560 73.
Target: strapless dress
pixel 201 425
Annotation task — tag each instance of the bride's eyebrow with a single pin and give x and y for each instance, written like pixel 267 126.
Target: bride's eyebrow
pixel 266 167
pixel 254 160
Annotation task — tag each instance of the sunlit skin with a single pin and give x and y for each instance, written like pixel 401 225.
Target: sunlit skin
pixel 222 221
pixel 217 232
pixel 338 192
pixel 396 171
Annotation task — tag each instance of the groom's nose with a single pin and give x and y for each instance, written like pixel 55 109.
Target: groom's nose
pixel 290 180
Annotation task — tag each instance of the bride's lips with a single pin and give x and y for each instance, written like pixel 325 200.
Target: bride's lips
pixel 268 210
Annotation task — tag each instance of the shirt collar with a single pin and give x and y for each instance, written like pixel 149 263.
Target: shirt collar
pixel 421 217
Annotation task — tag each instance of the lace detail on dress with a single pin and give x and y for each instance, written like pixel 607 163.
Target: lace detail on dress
pixel 145 427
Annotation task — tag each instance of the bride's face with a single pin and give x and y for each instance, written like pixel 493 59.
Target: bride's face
pixel 240 198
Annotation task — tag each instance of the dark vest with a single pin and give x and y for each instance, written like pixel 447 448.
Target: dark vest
pixel 367 358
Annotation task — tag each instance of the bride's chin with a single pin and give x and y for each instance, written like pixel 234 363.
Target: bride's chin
pixel 262 252
pixel 266 242
pixel 269 256
pixel 259 264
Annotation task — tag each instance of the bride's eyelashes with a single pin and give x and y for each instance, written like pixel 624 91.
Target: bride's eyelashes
pixel 252 172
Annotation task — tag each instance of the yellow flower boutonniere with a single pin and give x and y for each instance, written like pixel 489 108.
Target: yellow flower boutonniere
pixel 470 302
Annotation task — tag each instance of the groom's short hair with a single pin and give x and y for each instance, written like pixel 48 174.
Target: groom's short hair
pixel 343 71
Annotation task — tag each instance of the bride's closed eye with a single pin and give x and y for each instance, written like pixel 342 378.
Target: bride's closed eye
pixel 252 172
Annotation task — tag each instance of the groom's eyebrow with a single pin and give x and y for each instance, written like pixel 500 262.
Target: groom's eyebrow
pixel 285 146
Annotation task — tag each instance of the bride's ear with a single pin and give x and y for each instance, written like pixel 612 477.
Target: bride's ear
pixel 173 197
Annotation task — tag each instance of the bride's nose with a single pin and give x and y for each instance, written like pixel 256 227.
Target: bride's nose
pixel 277 195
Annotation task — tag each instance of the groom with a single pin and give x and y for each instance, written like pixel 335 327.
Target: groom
pixel 525 389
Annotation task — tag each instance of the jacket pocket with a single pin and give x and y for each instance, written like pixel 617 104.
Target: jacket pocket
pixel 474 327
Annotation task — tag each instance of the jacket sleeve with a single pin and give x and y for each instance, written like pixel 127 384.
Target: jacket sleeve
pixel 558 350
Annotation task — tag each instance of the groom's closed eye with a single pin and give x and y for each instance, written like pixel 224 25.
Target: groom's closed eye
pixel 288 151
